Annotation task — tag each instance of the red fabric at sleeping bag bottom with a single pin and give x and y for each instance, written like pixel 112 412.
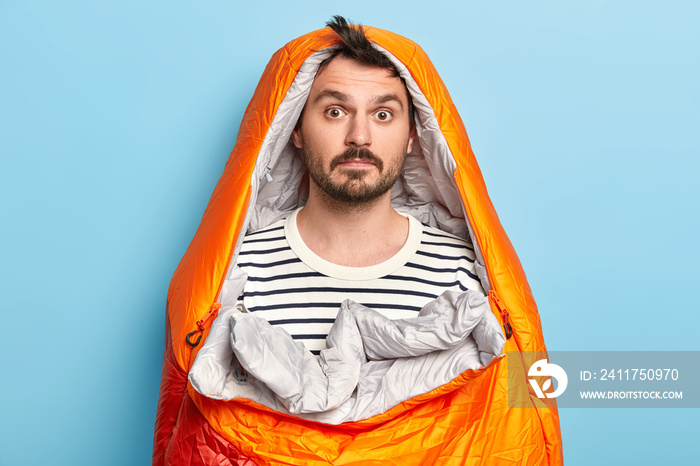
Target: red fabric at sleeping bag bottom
pixel 182 435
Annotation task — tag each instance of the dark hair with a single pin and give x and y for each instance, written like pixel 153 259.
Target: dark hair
pixel 354 45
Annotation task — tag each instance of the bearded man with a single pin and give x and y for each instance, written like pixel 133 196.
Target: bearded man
pixel 347 241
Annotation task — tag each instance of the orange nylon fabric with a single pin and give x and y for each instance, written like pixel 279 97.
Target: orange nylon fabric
pixel 464 422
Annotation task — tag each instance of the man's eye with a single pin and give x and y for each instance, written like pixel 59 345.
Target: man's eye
pixel 334 112
pixel 383 115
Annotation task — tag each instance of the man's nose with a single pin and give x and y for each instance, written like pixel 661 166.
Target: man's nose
pixel 359 133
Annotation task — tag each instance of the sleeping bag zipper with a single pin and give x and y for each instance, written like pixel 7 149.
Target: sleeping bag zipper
pixel 507 328
pixel 212 312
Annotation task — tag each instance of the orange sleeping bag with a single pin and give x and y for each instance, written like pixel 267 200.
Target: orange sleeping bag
pixel 466 421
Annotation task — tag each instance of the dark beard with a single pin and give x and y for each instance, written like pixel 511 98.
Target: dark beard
pixel 355 191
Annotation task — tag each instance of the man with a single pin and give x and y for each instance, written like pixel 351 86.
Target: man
pixel 352 177
pixel 347 241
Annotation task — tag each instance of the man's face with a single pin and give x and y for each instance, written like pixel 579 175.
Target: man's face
pixel 354 133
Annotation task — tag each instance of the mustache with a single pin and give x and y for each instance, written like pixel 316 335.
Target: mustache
pixel 357 153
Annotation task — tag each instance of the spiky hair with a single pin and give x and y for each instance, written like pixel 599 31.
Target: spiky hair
pixel 355 46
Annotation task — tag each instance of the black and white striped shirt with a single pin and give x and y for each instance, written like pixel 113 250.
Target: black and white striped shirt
pixel 292 287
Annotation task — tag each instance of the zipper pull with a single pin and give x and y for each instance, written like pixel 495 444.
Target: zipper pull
pixel 213 311
pixel 240 375
pixel 504 313
pixel 266 175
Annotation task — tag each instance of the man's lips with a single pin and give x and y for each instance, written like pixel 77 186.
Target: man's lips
pixel 357 158
pixel 357 163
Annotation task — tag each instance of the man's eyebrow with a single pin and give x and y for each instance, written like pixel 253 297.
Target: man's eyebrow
pixel 329 93
pixel 342 97
pixel 390 97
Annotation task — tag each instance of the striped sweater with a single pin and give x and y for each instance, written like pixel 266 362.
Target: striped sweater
pixel 292 287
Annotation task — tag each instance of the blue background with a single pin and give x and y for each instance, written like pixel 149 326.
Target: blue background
pixel 116 119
